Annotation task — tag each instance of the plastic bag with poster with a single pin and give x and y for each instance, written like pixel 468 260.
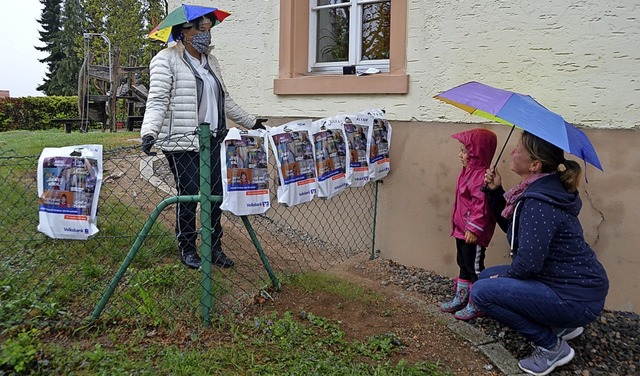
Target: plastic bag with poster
pixel 292 146
pixel 246 186
pixel 332 158
pixel 69 181
pixel 358 130
pixel 379 145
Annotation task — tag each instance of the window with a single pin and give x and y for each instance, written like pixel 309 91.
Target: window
pixel 349 32
pixel 306 28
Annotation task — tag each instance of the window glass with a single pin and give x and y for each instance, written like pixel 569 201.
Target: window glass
pixel 349 32
pixel 332 35
pixel 376 31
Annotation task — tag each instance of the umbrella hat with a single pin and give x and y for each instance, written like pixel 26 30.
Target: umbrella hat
pixel 524 112
pixel 182 14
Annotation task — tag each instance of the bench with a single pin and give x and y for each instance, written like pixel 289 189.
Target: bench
pixel 131 120
pixel 68 124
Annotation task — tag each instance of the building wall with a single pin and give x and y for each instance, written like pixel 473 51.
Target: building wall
pixel 579 59
pixel 415 201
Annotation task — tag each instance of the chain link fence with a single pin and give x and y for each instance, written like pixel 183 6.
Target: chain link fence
pixel 52 282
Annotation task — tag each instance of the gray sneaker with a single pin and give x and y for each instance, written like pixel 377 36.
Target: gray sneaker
pixel 543 362
pixel 568 333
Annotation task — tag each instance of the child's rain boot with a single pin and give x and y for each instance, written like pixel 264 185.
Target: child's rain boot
pixel 459 301
pixel 470 311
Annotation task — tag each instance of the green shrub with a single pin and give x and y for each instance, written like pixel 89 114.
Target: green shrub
pixel 35 113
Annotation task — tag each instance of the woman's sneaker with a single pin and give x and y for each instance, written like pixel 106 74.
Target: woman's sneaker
pixel 543 362
pixel 568 333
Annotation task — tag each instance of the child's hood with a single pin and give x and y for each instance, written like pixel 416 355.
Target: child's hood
pixel 480 144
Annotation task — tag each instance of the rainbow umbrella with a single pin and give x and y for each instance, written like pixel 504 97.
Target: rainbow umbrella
pixel 522 111
pixel 182 14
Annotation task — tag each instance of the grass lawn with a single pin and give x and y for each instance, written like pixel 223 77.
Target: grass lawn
pixel 48 287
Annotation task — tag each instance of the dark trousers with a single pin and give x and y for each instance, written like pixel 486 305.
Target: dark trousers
pixel 185 166
pixel 470 258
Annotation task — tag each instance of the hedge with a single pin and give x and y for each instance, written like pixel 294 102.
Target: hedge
pixel 35 113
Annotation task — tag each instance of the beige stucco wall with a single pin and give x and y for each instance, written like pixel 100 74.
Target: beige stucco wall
pixel 578 58
pixel 416 198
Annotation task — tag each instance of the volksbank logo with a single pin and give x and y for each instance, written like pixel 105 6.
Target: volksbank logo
pixel 264 204
pixel 75 230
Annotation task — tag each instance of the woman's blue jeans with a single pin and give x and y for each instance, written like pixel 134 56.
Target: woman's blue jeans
pixel 530 307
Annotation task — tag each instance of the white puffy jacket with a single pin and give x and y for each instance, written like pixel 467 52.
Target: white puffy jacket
pixel 171 114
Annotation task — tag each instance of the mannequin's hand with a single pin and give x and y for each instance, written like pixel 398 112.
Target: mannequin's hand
pixel 147 143
pixel 259 124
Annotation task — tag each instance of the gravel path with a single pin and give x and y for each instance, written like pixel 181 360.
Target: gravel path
pixel 608 346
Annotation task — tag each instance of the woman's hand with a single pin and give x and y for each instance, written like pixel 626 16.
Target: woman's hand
pixel 492 178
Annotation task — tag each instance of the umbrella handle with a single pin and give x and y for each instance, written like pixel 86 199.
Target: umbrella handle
pixel 485 188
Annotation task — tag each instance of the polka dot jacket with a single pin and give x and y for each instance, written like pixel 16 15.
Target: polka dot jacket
pixel 548 241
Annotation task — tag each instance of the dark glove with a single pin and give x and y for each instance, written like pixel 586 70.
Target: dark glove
pixel 147 143
pixel 260 124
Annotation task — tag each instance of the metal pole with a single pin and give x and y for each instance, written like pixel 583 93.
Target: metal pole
pixel 375 216
pixel 263 257
pixel 205 219
pixel 135 247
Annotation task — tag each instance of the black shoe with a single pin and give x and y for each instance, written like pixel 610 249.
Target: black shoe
pixel 191 260
pixel 220 259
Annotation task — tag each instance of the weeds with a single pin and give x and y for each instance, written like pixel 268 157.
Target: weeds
pixel 152 324
pixel 19 353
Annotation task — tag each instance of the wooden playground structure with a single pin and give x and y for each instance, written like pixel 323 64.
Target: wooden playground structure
pixel 118 88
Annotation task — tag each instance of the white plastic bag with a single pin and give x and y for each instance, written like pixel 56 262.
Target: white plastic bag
pixel 332 157
pixel 69 181
pixel 358 129
pixel 244 169
pixel 379 145
pixel 292 146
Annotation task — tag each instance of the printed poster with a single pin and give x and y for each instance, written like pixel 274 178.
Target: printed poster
pixel 69 181
pixel 332 158
pixel 294 151
pixel 379 145
pixel 358 129
pixel 246 184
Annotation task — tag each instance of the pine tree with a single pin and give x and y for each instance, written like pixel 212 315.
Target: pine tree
pixel 65 79
pixel 51 24
pixel 154 12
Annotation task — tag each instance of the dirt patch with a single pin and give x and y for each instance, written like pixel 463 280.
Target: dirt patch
pixel 424 337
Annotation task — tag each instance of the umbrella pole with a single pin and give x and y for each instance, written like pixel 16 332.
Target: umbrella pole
pixel 485 189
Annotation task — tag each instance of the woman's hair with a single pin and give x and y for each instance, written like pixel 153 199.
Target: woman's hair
pixel 551 158
pixel 176 31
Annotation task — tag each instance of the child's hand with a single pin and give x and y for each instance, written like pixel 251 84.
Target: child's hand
pixel 470 237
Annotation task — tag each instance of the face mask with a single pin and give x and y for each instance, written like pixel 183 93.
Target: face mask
pixel 201 42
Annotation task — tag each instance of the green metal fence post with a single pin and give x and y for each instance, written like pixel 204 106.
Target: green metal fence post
pixel 375 216
pixel 205 219
pixel 135 247
pixel 263 257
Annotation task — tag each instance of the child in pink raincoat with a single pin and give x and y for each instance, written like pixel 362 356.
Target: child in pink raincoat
pixel 471 219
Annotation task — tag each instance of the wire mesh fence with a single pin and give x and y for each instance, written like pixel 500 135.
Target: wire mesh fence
pixel 51 282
